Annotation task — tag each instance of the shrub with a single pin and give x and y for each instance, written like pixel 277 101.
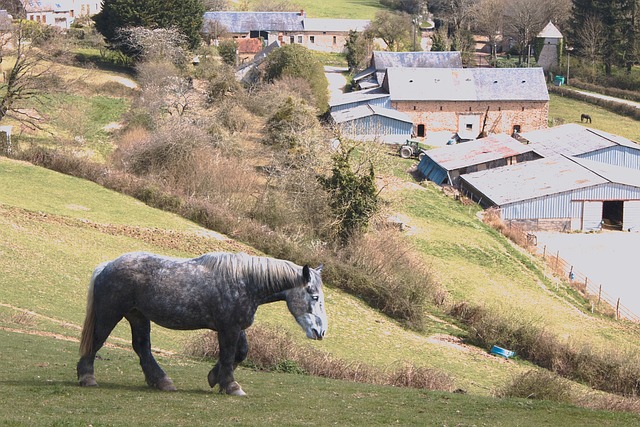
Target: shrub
pixel 295 60
pixel 274 350
pixel 538 384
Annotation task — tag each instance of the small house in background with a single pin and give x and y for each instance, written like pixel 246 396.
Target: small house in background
pixel 373 75
pixel 373 123
pixel 59 13
pixel 560 194
pixel 446 164
pixel 248 49
pixel 550 40
pixel 575 140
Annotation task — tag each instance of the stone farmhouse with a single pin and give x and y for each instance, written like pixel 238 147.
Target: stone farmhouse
pixel 325 35
pixel 466 102
pixel 58 13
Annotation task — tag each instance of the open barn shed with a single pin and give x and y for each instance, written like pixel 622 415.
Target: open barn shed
pixel 560 194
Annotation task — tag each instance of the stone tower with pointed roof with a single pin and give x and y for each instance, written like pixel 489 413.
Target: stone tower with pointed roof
pixel 551 38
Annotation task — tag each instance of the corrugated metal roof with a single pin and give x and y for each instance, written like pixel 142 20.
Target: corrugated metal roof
pixel 383 60
pixel 572 140
pixel 612 173
pixel 466 84
pixel 244 22
pixel 335 25
pixel 368 110
pixel 536 178
pixel 476 152
pixel 358 96
pixel 550 31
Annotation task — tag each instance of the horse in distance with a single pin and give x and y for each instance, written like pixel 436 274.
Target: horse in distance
pixel 585 118
pixel 218 291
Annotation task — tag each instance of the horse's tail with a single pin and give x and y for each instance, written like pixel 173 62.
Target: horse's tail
pixel 86 338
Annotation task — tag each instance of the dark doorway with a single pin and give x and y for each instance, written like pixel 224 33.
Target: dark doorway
pixel 421 131
pixel 612 214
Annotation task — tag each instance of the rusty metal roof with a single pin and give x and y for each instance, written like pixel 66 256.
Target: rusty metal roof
pixel 493 147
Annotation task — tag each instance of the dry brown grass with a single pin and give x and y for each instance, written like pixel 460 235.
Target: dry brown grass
pixel 275 350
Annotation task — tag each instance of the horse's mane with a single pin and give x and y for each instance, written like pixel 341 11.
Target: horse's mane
pixel 270 274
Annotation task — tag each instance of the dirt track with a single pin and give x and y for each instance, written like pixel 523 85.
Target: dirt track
pixel 608 258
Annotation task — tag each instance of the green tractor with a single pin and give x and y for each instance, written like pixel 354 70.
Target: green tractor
pixel 412 148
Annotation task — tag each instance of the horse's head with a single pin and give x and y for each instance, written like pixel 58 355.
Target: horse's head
pixel 306 304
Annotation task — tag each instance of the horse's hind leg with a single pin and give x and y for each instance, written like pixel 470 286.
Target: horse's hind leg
pixel 103 325
pixel 140 339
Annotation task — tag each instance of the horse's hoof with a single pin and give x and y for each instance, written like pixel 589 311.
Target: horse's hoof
pixel 234 389
pixel 87 380
pixel 165 384
pixel 212 378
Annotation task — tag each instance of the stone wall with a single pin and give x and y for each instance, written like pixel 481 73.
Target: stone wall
pixel 439 116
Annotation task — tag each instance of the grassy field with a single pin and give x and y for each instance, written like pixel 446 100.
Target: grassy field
pixel 566 110
pixel 49 247
pixel 352 9
pixel 38 389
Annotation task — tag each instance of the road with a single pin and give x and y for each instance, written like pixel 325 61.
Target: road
pixel 337 80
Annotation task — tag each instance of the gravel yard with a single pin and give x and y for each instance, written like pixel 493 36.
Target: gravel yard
pixel 607 258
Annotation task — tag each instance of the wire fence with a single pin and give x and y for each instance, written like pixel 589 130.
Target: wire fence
pixel 600 300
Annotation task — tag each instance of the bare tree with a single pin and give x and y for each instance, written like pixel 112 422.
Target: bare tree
pixel 19 88
pixel 524 20
pixel 489 21
pixel 393 28
pixel 591 36
pixel 457 13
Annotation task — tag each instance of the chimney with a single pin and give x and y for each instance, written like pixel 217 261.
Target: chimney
pixel 302 13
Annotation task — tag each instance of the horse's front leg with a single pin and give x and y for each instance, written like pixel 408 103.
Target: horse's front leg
pixel 222 372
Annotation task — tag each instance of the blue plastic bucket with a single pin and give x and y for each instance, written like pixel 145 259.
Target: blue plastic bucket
pixel 499 351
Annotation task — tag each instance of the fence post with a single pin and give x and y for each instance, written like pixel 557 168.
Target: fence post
pixel 544 252
pixel 557 260
pixel 618 309
pixel 599 295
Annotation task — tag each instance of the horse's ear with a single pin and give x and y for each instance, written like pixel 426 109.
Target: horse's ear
pixel 306 274
pixel 319 268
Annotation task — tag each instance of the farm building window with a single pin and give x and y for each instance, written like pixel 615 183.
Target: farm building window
pixel 522 108
pixel 292 39
pixel 469 108
pixel 335 40
pixel 300 39
pixel 441 108
pixel 516 129
pixel 421 130
pixel 499 108
pixel 469 126
pixel 312 39
pixel 414 108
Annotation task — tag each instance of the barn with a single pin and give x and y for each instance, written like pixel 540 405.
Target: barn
pixel 560 193
pixel 371 122
pixel 445 165
pixel 575 140
pixel 470 100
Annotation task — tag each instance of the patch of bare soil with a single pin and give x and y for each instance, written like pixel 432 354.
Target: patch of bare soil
pixel 191 242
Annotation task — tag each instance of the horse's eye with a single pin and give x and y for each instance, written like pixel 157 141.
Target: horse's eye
pixel 315 297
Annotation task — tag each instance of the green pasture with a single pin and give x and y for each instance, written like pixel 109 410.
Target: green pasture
pixel 351 9
pixel 566 110
pixel 38 389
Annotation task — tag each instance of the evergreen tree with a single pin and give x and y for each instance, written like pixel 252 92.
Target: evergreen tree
pixel 185 15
